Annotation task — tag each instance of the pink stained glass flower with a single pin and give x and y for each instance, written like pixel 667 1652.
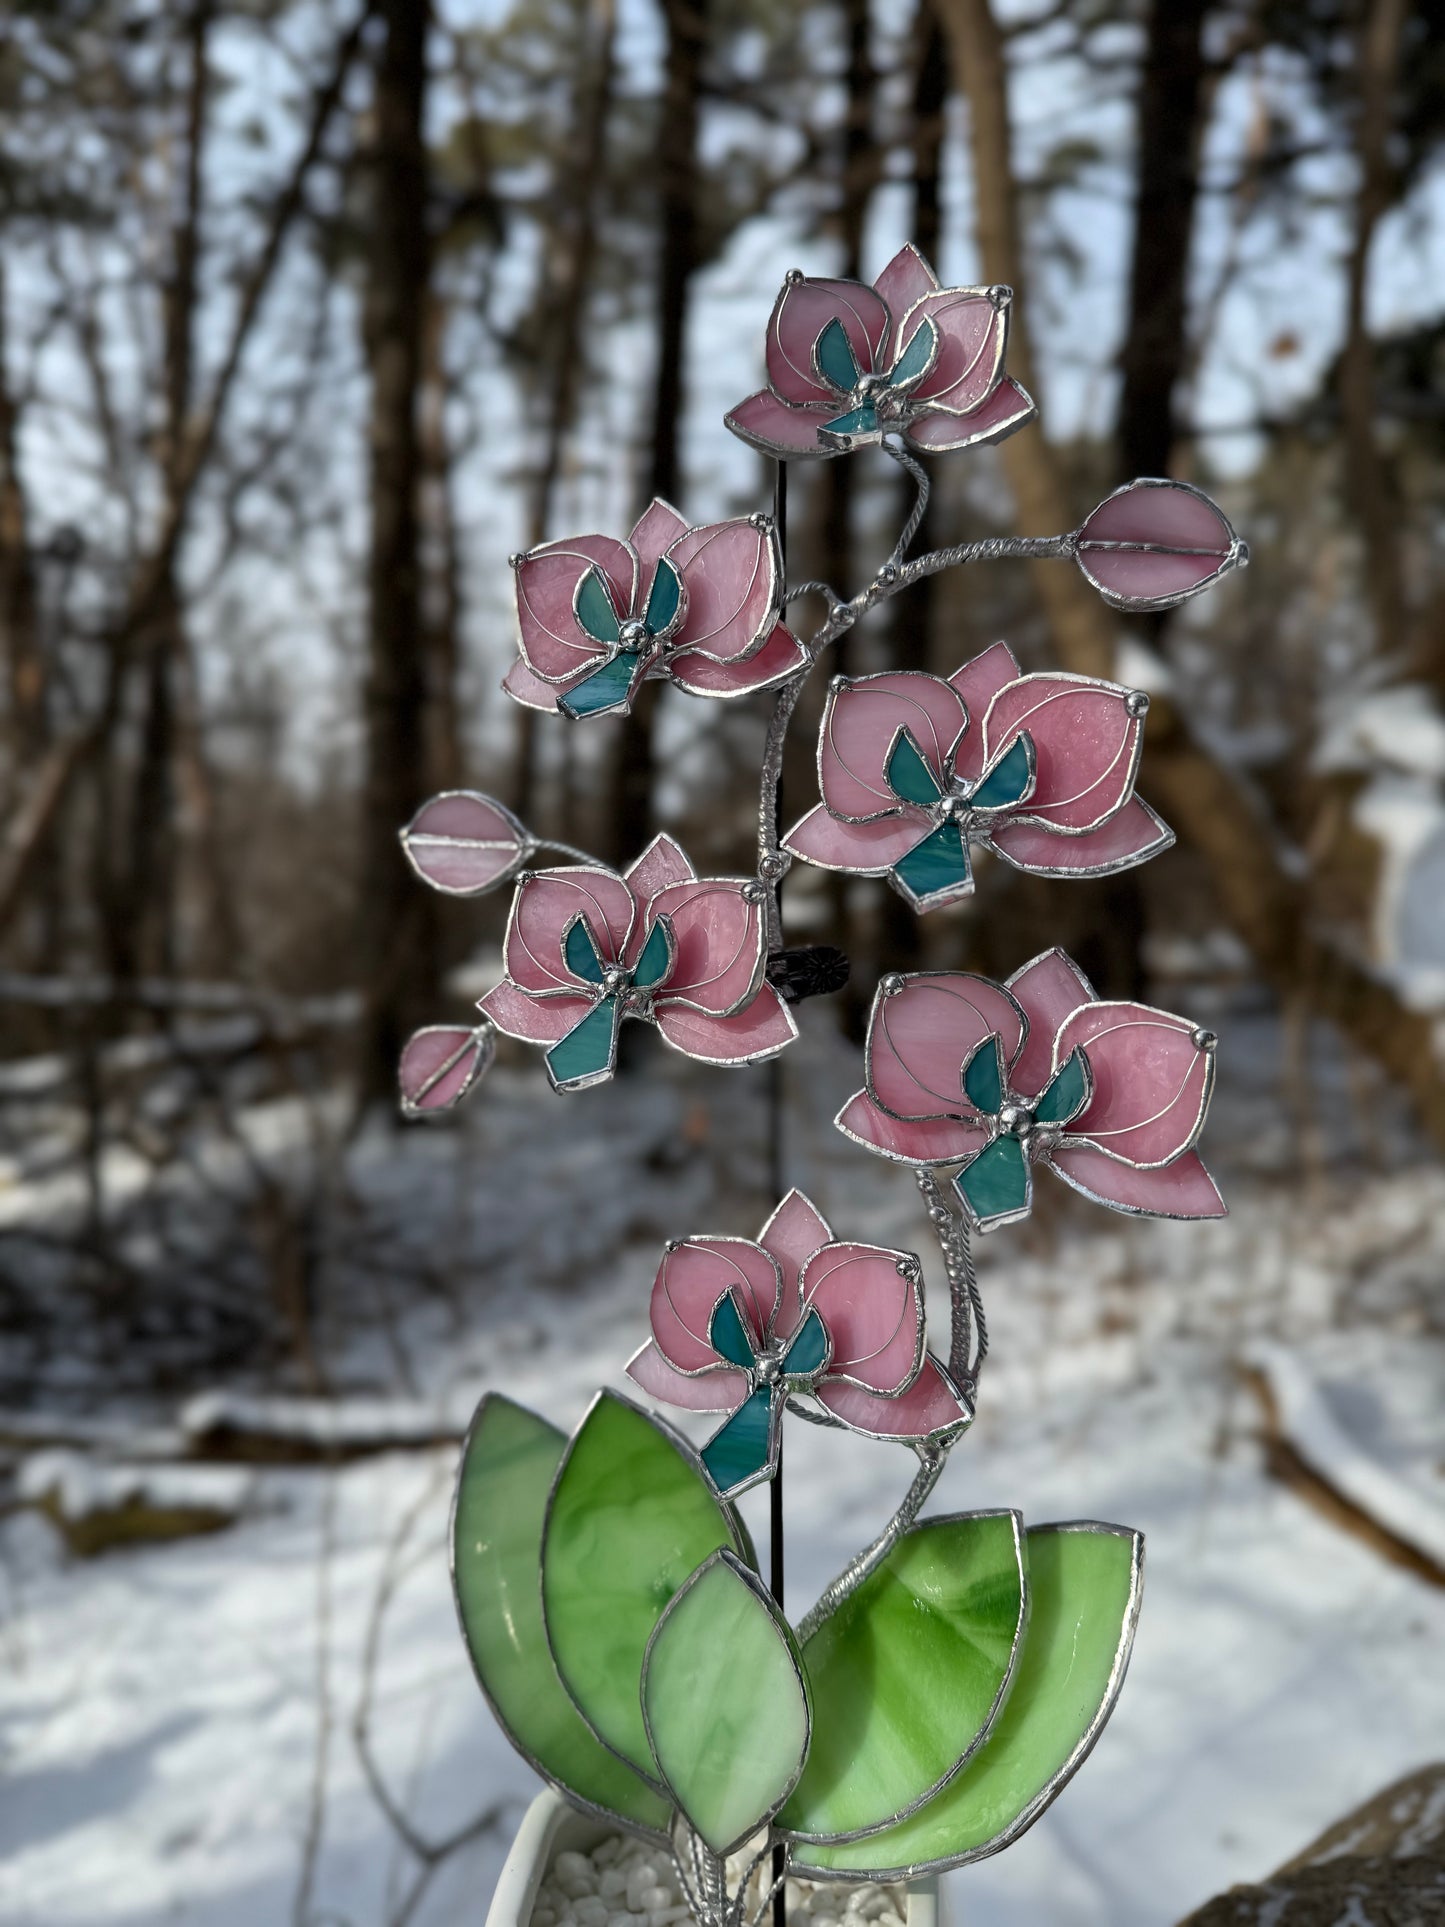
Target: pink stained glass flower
pixel 848 364
pixel 1155 543
pixel 441 1064
pixel 586 948
pixel 740 1326
pixel 998 1078
pixel 915 771
pixel 465 844
pixel 700 606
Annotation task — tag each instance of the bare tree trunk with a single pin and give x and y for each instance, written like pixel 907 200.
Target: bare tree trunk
pixel 20 643
pixel 442 577
pixel 397 959
pixel 1371 482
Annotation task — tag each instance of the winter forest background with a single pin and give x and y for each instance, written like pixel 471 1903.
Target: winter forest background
pixel 311 313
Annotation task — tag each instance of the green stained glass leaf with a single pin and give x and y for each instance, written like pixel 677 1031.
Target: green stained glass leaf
pixel 658 954
pixel 835 357
pixel 1067 1092
pixel 665 600
pixel 808 1349
pixel 1010 779
pixel 996 1185
pixel 606 688
pixel 858 421
pixel 983 1078
pixel 937 868
pixel 725 1704
pixel 743 1449
pixel 594 608
pixel 728 1333
pixel 588 1053
pixel 579 948
pixel 909 775
pixel 1084 1583
pixel 909 1672
pixel 915 358
pixel 507 1469
pixel 630 1517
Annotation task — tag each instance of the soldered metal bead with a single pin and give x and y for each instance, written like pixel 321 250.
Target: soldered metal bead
pixel 1000 294
pixel 890 985
pixel 760 521
pixel 888 573
pixel 839 682
pixel 753 891
pixel 1137 702
pixel 793 277
pixel 1205 1040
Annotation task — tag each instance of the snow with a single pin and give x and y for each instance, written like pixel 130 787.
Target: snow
pixel 1399 729
pixel 210 1732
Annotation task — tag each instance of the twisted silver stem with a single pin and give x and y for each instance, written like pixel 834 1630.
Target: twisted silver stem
pixel 968 1337
pixel 931 1457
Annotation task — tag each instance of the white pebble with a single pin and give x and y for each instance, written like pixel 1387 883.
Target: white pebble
pixel 612 1882
pixel 592 1911
pixel 640 1880
pixel 543 1917
pixel 574 1866
pixel 655 1897
pixel 606 1851
pixel 665 1916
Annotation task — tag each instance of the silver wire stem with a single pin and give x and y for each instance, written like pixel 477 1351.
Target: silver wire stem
pixel 931 1457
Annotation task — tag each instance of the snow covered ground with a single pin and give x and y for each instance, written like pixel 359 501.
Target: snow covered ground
pixel 277 1724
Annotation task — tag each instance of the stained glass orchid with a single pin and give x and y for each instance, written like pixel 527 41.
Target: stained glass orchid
pixel 740 1327
pixel 997 1078
pixel 1039 769
pixel 700 606
pixel 848 364
pixel 586 948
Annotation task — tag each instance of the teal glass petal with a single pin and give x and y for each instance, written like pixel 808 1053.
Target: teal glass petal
pixel 1008 781
pixel 996 1184
pixel 836 358
pixel 1067 1092
pixel 726 1707
pixel 916 356
pixel 727 1332
pixel 658 952
pixel 665 600
pixel 579 947
pixel 742 1448
pixel 808 1351
pixel 606 688
pixel 594 608
pixel 858 421
pixel 587 1053
pixel 938 864
pixel 983 1080
pixel 908 774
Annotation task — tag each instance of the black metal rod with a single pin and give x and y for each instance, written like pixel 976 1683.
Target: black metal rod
pixel 775 1192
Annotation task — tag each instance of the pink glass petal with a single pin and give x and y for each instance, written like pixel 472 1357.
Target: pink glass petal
pixel 654 531
pixel 1191 543
pixel 535 1020
pixel 930 1406
pixel 920 1038
pixel 441 1063
pixel 778 429
pixel 543 908
pixel 553 642
pixel 760 1030
pixel 1131 836
pixel 464 843
pixel 689 1282
pixel 804 308
pixel 934 1140
pixel 1181 1189
pixel 780 657
pixel 860 722
pixel 661 863
pixel 1085 739
pixel 873 1312
pixel 713 1392
pixel 864 849
pixel 1049 989
pixel 971 336
pixel 1151 1079
pixel 719 937
pixel 978 682
pixel 1008 408
pixel 794 1232
pixel 906 279
pixel 529 690
pixel 728 570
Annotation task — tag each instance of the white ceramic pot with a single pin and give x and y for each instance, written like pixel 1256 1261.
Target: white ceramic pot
pixel 550 1826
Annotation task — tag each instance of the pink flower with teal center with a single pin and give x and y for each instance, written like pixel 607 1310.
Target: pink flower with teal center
pixel 848 364
pixel 914 771
pixel 740 1327
pixel 699 606
pixel 994 1079
pixel 587 948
